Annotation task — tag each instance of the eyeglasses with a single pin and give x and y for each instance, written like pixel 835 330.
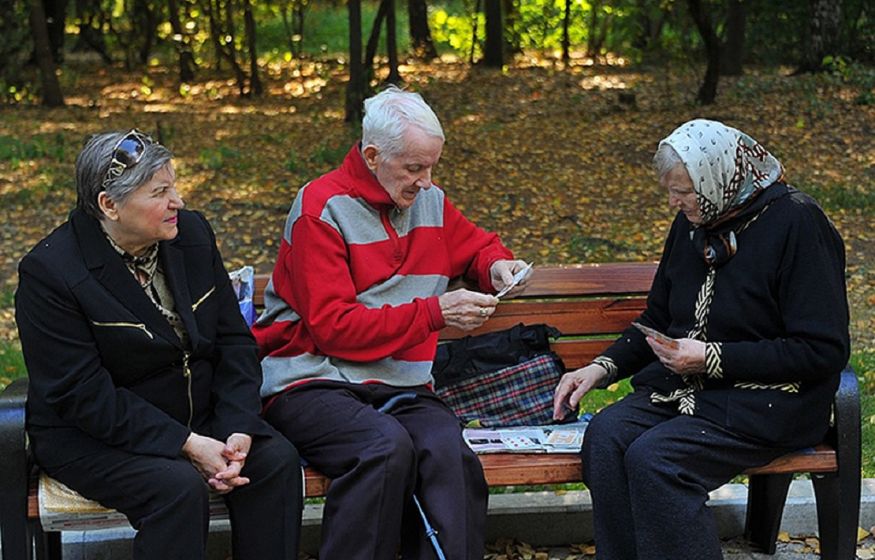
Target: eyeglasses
pixel 127 153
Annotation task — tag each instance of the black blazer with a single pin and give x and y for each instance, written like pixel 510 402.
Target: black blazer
pixel 106 368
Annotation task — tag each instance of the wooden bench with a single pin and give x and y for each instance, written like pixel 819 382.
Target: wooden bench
pixel 589 304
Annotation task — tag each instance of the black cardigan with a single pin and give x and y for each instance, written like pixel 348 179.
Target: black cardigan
pixel 106 368
pixel 780 311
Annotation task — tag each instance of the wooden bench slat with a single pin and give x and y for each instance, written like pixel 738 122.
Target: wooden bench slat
pixel 572 318
pixel 522 469
pixel 562 280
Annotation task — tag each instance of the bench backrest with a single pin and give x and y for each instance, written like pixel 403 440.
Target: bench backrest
pixel 588 303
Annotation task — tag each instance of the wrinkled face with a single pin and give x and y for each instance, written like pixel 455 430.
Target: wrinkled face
pixel 147 215
pixel 681 195
pixel 403 175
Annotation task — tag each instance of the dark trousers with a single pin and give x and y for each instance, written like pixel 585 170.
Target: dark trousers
pixel 649 470
pixel 376 461
pixel 167 501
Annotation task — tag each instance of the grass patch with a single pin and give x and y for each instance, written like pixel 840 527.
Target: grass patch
pixel 17 150
pixel 841 197
pixel 11 363
pixel 216 158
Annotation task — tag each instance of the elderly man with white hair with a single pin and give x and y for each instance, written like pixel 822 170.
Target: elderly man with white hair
pixel 351 321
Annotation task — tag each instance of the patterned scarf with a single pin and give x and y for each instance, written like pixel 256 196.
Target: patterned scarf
pixel 729 171
pixel 150 276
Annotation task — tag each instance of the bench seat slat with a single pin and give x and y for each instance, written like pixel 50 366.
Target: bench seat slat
pixel 518 469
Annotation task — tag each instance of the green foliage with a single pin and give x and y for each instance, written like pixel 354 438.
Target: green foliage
pixel 863 363
pixel 854 74
pixel 11 363
pixel 16 150
pixel 455 30
pixel 326 157
pixel 15 48
pixel 839 197
pixel 216 158
pixel 867 411
pixel 326 31
pixel 292 164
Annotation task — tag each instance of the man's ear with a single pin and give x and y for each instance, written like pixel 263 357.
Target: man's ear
pixel 108 206
pixel 371 153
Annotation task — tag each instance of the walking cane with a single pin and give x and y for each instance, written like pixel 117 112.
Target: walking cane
pixel 430 531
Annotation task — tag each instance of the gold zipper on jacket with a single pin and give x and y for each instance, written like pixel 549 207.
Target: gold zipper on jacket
pixel 140 326
pixel 186 372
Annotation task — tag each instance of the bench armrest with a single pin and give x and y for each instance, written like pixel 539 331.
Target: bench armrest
pixel 13 440
pixel 14 470
pixel 847 422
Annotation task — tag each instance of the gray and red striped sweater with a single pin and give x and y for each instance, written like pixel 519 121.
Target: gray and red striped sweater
pixel 354 293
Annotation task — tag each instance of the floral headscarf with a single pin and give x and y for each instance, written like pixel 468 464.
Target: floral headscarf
pixel 726 165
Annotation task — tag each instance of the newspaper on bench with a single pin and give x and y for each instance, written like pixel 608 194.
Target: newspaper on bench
pixel 559 438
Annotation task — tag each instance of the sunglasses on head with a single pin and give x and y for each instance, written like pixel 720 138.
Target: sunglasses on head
pixel 127 153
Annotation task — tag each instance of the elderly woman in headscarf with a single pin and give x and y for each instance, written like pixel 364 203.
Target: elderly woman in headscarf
pixel 143 375
pixel 750 291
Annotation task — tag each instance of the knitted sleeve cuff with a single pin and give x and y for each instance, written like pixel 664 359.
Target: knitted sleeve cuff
pixel 714 360
pixel 610 366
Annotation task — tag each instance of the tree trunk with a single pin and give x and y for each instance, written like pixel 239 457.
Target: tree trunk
pixel 215 31
pixel 493 57
pixel 56 18
pixel 420 34
pixel 228 50
pixel 511 37
pixel 474 25
pixel 147 21
pixel 51 89
pixel 708 91
pixel 566 41
pixel 298 12
pixel 180 41
pixel 733 48
pixel 255 86
pixel 355 89
pixel 392 43
pixel 90 37
pixel 592 50
pixel 374 42
pixel 823 34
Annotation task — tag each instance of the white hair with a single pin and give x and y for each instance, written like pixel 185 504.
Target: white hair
pixel 388 115
pixel 665 158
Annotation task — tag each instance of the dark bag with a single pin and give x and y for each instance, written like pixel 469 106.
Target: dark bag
pixel 504 378
pixel 475 355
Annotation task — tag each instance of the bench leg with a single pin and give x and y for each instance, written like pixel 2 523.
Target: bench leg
pixel 16 538
pixel 766 495
pixel 48 545
pixel 838 514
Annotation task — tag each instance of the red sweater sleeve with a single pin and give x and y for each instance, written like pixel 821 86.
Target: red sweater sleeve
pixel 472 249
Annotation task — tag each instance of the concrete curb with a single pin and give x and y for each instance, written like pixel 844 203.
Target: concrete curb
pixel 538 518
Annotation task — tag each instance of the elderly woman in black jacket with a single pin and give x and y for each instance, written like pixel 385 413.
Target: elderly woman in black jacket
pixel 143 376
pixel 750 292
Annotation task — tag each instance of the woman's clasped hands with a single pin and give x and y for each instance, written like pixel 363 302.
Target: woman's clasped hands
pixel 219 463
